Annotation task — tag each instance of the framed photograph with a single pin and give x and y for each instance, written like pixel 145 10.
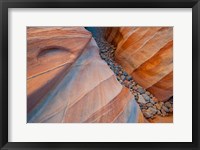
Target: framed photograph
pixel 106 74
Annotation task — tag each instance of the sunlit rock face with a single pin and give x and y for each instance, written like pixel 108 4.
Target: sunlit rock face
pixel 68 81
pixel 147 54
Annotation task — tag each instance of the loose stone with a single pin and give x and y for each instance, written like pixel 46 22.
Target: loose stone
pixel 163 112
pixel 158 112
pixel 149 104
pixel 151 101
pixel 168 104
pixel 126 83
pixel 130 86
pixel 159 105
pixel 125 74
pixel 148 93
pixel 165 108
pixel 141 100
pixel 152 110
pixel 147 115
pixel 129 78
pixel 141 90
pixel 154 99
pixel 146 97
pixel 122 77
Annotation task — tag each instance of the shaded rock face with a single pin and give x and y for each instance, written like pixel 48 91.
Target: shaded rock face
pixel 146 53
pixel 69 82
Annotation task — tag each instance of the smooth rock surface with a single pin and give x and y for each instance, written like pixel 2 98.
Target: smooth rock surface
pixel 147 54
pixel 77 88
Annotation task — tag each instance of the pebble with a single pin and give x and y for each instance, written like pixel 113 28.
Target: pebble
pixel 130 86
pixel 146 97
pixel 135 94
pixel 152 110
pixel 168 104
pixel 129 78
pixel 103 56
pixel 144 107
pixel 149 105
pixel 147 115
pixel 148 93
pixel 125 74
pixel 158 112
pixel 154 99
pixel 165 108
pixel 123 77
pixel 134 83
pixel 151 101
pixel 141 90
pixel 126 83
pixel 151 96
pixel 141 100
pixel 163 112
pixel 154 107
pixel 159 105
pixel 143 110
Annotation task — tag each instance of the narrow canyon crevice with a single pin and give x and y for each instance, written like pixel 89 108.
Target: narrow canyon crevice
pixel 94 75
pixel 151 107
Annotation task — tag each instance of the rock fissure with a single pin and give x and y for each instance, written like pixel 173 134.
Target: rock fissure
pixel 148 103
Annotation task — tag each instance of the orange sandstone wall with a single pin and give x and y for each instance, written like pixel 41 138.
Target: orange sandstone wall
pixel 147 54
pixel 50 53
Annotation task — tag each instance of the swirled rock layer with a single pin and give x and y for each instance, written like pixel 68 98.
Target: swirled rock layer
pixel 68 82
pixel 147 54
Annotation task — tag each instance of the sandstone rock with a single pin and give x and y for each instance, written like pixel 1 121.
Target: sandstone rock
pixel 78 88
pixel 147 54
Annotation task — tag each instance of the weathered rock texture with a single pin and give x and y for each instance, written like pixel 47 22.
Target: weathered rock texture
pixel 147 54
pixel 69 82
